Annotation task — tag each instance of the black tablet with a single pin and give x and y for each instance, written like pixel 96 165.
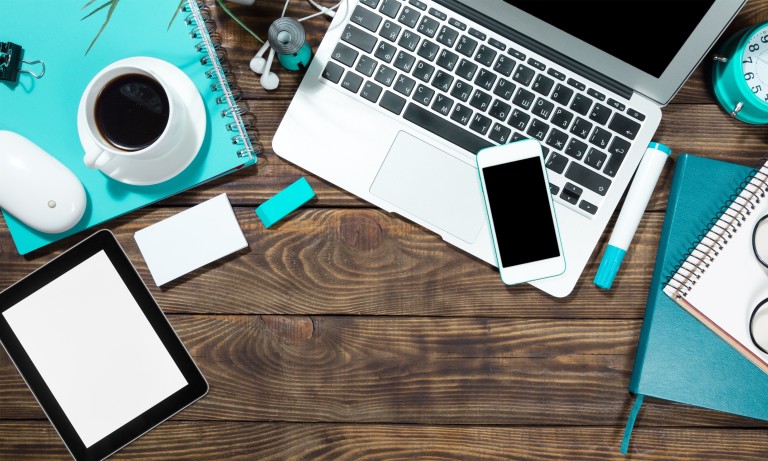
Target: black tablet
pixel 95 348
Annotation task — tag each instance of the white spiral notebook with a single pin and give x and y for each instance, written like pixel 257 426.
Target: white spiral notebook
pixel 720 280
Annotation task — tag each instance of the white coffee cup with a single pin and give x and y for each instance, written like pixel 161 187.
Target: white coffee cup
pixel 102 151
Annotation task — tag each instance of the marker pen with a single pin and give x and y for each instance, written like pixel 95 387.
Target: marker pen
pixel 634 206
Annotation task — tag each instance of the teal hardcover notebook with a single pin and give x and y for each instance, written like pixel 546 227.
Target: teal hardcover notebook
pixel 678 357
pixel 45 110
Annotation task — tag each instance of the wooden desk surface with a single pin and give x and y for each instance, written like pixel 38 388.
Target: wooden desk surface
pixel 348 333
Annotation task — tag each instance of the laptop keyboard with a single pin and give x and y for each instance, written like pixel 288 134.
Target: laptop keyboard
pixel 476 91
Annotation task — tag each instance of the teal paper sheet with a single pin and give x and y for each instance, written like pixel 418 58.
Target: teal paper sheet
pixel 45 110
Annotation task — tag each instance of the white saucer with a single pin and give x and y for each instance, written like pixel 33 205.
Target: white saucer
pixel 146 172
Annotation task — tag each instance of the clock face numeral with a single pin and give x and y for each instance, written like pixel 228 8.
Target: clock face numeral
pixel 754 64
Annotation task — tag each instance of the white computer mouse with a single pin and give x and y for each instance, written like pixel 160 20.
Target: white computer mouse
pixel 36 188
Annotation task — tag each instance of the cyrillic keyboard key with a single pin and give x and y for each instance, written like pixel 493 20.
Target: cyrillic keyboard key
pixel 447 59
pixel 423 95
pixel 538 129
pixel 461 114
pixel 366 18
pixel 480 100
pixel 390 8
pixel 542 108
pixel 504 65
pixel 581 104
pixel 600 113
pixel 518 136
pixel 581 128
pixel 442 81
pixel 352 82
pixel 595 159
pixel 557 139
pixel 385 51
pixel 385 75
pixel 500 133
pixel 519 120
pixel 428 26
pixel 466 69
pixel 404 61
pixel 444 128
pixel 371 3
pixel 584 176
pixel 423 71
pixel 333 72
pixel 485 55
pixel 447 36
pixel 480 123
pixel 390 30
pixel 370 91
pixel 588 207
pixel 485 79
pixel 442 104
pixel 499 110
pixel 600 137
pixel 562 94
pixel 409 16
pixel 556 163
pixel 466 46
pixel 462 90
pixel 543 84
pixel 624 126
pixel 571 193
pixel 359 38
pixel 576 149
pixel 366 65
pixel 504 89
pixel 523 75
pixel 392 102
pixel 561 118
pixel 523 98
pixel 409 40
pixel 428 50
pixel 404 85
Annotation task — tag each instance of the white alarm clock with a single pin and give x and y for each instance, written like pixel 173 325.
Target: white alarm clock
pixel 740 75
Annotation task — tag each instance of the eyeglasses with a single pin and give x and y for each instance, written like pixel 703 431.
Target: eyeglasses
pixel 758 322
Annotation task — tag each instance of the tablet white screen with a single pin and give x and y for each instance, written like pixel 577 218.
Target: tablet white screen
pixel 95 349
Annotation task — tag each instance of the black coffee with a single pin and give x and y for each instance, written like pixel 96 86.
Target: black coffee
pixel 132 111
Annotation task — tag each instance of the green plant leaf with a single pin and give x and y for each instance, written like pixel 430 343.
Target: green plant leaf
pixel 112 4
pixel 178 8
pixel 109 2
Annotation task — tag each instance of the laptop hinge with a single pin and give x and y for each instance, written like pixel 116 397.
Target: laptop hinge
pixel 540 48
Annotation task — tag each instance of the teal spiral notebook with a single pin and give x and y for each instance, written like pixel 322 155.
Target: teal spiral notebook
pixel 678 357
pixel 45 110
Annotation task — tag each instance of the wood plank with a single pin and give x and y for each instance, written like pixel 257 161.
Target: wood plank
pixel 409 370
pixel 361 261
pixel 342 442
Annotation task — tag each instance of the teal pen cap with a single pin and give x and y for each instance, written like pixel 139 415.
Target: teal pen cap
pixel 631 212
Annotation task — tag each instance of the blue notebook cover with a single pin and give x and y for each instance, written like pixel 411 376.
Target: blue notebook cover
pixel 678 358
pixel 45 110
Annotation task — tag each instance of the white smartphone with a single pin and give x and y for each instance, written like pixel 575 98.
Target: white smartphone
pixel 520 212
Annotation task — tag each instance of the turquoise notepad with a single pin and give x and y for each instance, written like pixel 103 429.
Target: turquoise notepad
pixel 45 110
pixel 678 358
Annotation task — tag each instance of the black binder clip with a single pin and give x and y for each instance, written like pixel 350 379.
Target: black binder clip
pixel 10 63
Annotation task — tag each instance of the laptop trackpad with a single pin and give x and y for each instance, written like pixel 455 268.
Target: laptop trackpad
pixel 432 185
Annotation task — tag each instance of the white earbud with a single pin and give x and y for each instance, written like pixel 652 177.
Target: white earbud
pixel 258 63
pixel 269 80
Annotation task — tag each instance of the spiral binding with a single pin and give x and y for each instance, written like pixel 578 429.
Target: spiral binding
pixel 243 124
pixel 719 231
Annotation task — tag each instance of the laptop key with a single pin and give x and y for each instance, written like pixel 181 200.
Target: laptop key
pixel 537 64
pixel 516 54
pixel 588 207
pixel 576 149
pixel 497 44
pixel 466 69
pixel 558 75
pixel 485 79
pixel 390 31
pixel 523 75
pixel 600 113
pixel 444 128
pixel 561 118
pixel 462 90
pixel 499 110
pixel 613 164
pixel 635 114
pixel 438 14
pixel 504 89
pixel 442 104
pixel 557 139
pixel 333 72
pixel 581 104
pixel 596 94
pixel 480 100
pixel 404 61
pixel 553 189
pixel 428 50
pixel 519 119
pixel 344 54
pixel 504 65
pixel 447 36
pixel 385 51
pixel 480 123
pixel 624 126
pixel 584 176
pixel 428 26
pixel 543 108
pixel 466 46
pixel 390 8
pixel 562 94
pixel 577 84
pixel 392 102
pixel 538 129
pixel 352 82
pixel 371 91
pixel 523 98
pixel 409 17
pixel 518 136
pixel 366 65
pixel 457 24
pixel 595 159
pixel 543 84
pixel 418 4
pixel 557 163
pixel 619 146
pixel 447 59
pixel 485 55
pixel 600 137
pixel 616 104
pixel 404 85
pixel 385 75
pixel 581 128
pixel 423 71
pixel 499 133
pixel 423 95
pixel 571 193
pixel 359 38
pixel 461 114
pixel 366 18
pixel 371 3
pixel 442 81
pixel 409 40
pixel 477 34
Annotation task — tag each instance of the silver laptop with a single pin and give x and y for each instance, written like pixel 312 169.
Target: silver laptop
pixel 402 94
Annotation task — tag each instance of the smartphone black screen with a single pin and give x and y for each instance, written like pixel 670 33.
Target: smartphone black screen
pixel 519 201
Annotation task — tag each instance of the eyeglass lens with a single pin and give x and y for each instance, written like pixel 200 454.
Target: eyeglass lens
pixel 760 240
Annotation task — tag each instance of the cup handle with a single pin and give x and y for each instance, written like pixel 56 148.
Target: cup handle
pixel 97 158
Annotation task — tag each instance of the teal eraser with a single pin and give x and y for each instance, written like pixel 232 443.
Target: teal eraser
pixel 285 202
pixel 609 266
